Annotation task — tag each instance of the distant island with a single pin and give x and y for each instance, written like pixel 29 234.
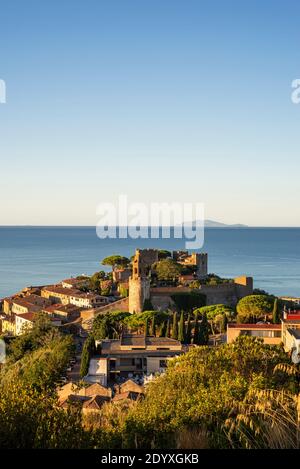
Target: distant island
pixel 216 224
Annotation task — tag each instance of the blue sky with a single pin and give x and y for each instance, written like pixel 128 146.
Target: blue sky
pixel 162 100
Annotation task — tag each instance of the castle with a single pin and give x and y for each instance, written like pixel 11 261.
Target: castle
pixel 160 296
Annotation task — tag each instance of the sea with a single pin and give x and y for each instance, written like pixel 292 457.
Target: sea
pixel 44 255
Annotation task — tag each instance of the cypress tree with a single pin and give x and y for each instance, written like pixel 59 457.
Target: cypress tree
pixel 196 330
pixel 163 329
pixel 87 351
pixel 175 327
pixel 168 329
pixel 146 328
pixel 224 323
pixel 203 331
pixel 153 327
pixel 147 306
pixel 181 331
pixel 276 313
pixel 188 335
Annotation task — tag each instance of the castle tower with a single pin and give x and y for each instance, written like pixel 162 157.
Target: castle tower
pixel 198 259
pixel 201 261
pixel 139 283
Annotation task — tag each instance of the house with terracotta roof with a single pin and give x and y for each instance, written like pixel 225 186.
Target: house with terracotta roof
pixel 8 324
pixel 72 389
pixel 127 396
pixel 76 282
pixel 65 296
pixel 25 321
pixel 270 333
pixel 67 312
pixel 131 386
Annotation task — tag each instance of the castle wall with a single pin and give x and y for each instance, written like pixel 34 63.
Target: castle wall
pixel 119 305
pixel 225 293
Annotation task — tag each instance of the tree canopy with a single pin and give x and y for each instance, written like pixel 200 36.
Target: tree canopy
pixel 167 269
pixel 164 254
pixel 116 261
pixel 188 301
pixel 254 307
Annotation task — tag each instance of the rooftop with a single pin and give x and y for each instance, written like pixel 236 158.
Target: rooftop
pixel 70 292
pixel 295 333
pixel 27 316
pixel 254 326
pixel 136 344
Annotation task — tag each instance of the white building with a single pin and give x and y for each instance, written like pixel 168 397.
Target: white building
pixel 132 356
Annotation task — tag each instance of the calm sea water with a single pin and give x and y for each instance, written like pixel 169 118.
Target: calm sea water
pixel 41 255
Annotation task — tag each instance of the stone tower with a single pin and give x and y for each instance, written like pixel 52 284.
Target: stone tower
pixel 198 259
pixel 201 261
pixel 139 283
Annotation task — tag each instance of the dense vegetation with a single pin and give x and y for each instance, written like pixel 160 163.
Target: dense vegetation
pixel 239 395
pixel 230 396
pixel 38 358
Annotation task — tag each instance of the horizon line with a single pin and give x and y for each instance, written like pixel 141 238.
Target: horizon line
pixel 242 227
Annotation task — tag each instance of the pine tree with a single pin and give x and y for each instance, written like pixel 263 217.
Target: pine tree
pixel 188 335
pixel 196 330
pixel 175 327
pixel 181 331
pixel 168 329
pixel 276 313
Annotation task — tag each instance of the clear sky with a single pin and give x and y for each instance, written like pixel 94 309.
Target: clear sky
pixel 163 100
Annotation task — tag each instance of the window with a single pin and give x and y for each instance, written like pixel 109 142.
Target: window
pixel 112 364
pixel 127 362
pixel 262 333
pixel 162 363
pixel 139 363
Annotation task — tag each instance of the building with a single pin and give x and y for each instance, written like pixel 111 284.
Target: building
pixel 131 386
pixel 28 304
pixel 77 282
pixel 126 396
pixel 24 322
pixel 67 312
pixel 71 389
pixel 8 324
pixel 196 259
pixel 59 294
pixel 131 356
pixel 121 275
pixel 22 306
pixel 270 333
pixel 140 288
pixel 290 324
pixel 7 304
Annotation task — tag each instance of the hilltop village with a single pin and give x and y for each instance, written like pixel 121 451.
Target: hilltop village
pixel 151 277
pixel 117 331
